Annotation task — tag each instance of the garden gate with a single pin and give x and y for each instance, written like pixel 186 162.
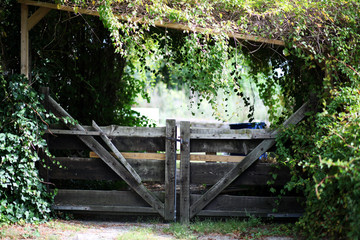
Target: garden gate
pixel 145 158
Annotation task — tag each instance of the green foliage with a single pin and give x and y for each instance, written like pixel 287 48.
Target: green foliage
pixel 252 228
pixel 323 153
pixel 23 196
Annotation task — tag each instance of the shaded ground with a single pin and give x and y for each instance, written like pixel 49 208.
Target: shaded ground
pixel 100 230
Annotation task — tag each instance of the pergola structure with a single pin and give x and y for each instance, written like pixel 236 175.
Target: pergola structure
pixel 27 23
pixel 192 140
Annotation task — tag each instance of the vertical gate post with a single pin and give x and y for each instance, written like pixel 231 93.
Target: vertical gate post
pixel 185 173
pixel 170 170
pixel 45 170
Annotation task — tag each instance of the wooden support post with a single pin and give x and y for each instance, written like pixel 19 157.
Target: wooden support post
pixel 115 165
pixel 24 45
pixel 185 173
pixel 235 172
pixel 45 170
pixel 170 170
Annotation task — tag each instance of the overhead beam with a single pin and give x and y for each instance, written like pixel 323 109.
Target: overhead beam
pixel 177 26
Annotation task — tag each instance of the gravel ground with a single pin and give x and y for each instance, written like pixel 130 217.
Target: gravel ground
pixel 113 230
pixel 103 230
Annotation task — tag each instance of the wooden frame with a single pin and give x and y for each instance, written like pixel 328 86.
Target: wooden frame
pixel 121 167
pixel 28 23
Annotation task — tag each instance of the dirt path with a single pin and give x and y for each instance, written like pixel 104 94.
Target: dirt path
pixel 103 230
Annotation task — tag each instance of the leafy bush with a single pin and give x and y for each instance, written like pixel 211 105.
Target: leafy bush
pixel 323 153
pixel 23 196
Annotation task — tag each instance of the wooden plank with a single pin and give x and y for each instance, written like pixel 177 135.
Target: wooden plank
pixel 117 153
pixel 99 197
pixel 170 170
pixel 260 204
pixel 185 172
pixel 140 156
pixel 256 175
pixel 154 171
pixel 246 213
pixel 228 178
pixel 140 20
pixel 24 46
pixel 113 163
pixel 37 16
pixel 245 134
pixel 162 156
pixel 105 209
pixel 237 146
pixel 71 142
pixel 96 169
pixel 114 131
pixel 216 158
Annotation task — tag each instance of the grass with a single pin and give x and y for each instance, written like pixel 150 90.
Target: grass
pixel 52 230
pixel 139 233
pixel 253 228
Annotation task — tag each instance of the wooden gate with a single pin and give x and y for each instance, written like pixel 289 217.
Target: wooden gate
pixel 134 167
pixel 146 157
pixel 250 142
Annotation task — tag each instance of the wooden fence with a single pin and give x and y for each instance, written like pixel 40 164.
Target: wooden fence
pixel 146 159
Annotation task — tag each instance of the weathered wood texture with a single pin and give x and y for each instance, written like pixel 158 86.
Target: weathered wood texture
pixel 102 201
pixel 115 165
pixel 154 171
pixel 69 142
pixel 37 16
pixel 96 169
pixel 193 157
pixel 99 197
pixel 256 175
pixel 118 155
pixel 130 202
pixel 185 172
pixel 239 168
pixel 24 46
pixel 244 134
pixel 252 203
pixel 229 205
pixel 170 170
pixel 224 145
pixel 114 131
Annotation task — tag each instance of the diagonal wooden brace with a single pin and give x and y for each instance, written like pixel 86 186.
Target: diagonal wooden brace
pixel 236 171
pixel 114 164
pixel 108 142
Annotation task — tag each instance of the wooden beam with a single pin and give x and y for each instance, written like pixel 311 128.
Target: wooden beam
pixel 37 16
pixel 116 152
pixel 235 172
pixel 162 156
pixel 176 26
pixel 114 131
pixel 24 45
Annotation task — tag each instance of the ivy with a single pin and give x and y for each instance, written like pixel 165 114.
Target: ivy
pixel 23 196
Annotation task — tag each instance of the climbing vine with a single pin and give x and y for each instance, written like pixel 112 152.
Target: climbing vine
pixel 320 58
pixel 23 195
